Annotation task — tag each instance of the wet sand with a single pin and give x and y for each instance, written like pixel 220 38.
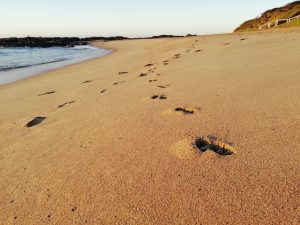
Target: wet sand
pixel 138 136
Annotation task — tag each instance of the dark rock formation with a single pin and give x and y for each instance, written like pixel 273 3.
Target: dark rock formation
pixel 41 42
pixel 46 42
pixel 164 36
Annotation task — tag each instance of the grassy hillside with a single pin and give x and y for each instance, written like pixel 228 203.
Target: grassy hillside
pixel 285 12
pixel 295 23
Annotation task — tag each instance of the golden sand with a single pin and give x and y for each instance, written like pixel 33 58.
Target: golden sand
pixel 104 154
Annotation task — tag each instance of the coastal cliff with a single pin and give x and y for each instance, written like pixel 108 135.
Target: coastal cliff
pixel 286 12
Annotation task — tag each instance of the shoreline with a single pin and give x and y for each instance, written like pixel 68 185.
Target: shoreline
pixel 99 43
pixel 118 139
pixel 40 69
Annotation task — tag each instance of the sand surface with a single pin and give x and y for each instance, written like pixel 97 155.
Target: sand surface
pixel 121 157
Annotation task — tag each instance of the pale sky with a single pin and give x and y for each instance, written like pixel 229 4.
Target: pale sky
pixel 133 18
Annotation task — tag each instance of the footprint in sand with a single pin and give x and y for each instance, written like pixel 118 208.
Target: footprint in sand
pixel 116 83
pixel 161 97
pixel 210 147
pixel 214 144
pixel 36 121
pixel 199 50
pixel 47 93
pixel 177 56
pixel 66 103
pixel 103 91
pixel 150 81
pixel 152 70
pixel 182 111
pixel 143 74
pixel 149 65
pixel 87 81
pixel 121 73
pixel 243 39
pixel 226 44
pixel 185 111
pixel 162 86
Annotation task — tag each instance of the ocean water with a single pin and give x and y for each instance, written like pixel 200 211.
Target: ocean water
pixel 19 63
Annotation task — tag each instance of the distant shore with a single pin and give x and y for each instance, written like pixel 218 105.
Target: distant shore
pixel 46 42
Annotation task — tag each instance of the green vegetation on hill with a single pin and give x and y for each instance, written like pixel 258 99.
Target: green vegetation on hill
pixel 295 23
pixel 288 11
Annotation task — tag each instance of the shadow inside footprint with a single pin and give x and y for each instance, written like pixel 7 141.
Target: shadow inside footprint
pixel 87 81
pixel 103 91
pixel 116 83
pixel 120 73
pixel 199 50
pixel 143 74
pixel 67 103
pixel 36 121
pixel 162 97
pixel 177 56
pixel 150 81
pixel 161 86
pixel 186 111
pixel 148 65
pixel 47 93
pixel 213 144
pixel 152 70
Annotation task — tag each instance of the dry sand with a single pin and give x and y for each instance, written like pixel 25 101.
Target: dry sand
pixel 120 157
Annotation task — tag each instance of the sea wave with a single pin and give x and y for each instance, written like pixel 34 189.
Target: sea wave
pixel 17 58
pixel 19 63
pixel 3 68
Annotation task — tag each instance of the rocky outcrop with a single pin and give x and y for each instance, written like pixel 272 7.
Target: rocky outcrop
pixel 41 42
pixel 45 42
pixel 164 36
pixel 116 38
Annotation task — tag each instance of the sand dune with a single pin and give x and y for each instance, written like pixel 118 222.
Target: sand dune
pixel 108 152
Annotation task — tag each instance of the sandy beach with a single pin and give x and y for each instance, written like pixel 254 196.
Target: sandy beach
pixel 117 141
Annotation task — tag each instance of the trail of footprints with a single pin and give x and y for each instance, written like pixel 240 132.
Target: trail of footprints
pixel 151 69
pixel 186 149
pixel 202 144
